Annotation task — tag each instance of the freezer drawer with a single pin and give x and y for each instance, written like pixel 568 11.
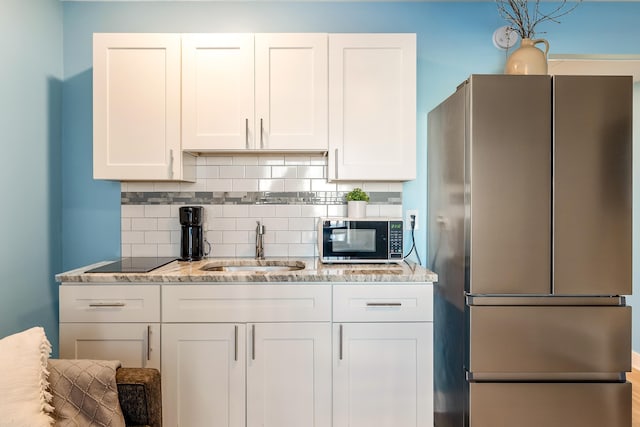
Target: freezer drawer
pixel 549 342
pixel 550 405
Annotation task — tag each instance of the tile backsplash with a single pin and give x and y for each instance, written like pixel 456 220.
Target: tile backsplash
pixel 287 193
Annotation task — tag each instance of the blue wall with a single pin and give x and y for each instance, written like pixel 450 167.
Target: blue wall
pixel 46 180
pixel 30 184
pixel 454 40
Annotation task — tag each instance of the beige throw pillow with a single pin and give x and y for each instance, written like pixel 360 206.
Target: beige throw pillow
pixel 85 393
pixel 24 400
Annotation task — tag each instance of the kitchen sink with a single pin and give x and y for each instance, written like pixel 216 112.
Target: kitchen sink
pixel 253 266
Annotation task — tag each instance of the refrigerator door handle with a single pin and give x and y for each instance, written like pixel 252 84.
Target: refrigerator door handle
pixel 547 377
pixel 541 300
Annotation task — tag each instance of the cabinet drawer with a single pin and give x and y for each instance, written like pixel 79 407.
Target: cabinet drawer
pixel 109 303
pixel 382 303
pixel 246 303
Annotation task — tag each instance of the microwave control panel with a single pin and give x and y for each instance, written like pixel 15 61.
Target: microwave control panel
pixel 395 240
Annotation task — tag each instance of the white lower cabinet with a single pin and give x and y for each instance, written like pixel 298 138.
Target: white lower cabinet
pixel 383 355
pixel 289 375
pixel 135 345
pixel 280 373
pixel 111 322
pixel 266 355
pixel 254 351
pixel 383 375
pixel 203 374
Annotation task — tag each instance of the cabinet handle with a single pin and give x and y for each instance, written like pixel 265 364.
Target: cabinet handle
pixel 235 344
pixel 336 164
pixel 340 343
pixel 261 135
pixel 246 133
pixel 148 342
pixel 107 304
pixel 253 342
pixel 170 164
pixel 384 304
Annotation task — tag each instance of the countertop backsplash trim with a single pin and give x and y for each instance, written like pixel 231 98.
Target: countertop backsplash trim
pixel 287 193
pixel 252 198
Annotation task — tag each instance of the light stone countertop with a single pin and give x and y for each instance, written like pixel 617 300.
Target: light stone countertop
pixel 313 271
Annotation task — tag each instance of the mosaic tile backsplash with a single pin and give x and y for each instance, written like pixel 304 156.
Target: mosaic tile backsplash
pixel 286 193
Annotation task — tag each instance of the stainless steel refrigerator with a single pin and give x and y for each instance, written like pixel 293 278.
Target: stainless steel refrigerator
pixel 529 200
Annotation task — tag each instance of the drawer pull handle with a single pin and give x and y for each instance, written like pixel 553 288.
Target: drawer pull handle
pixel 246 133
pixel 253 342
pixel 261 134
pixel 384 304
pixel 340 343
pixel 107 304
pixel 170 164
pixel 148 342
pixel 235 344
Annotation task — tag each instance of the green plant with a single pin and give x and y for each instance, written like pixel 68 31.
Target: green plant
pixel 357 195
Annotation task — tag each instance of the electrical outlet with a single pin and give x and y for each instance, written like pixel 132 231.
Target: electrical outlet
pixel 407 221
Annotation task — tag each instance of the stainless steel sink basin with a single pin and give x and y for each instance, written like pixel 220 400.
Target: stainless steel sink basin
pixel 253 266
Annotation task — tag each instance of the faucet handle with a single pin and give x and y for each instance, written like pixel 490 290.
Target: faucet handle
pixel 260 228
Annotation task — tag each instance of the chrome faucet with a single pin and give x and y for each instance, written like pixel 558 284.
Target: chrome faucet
pixel 260 241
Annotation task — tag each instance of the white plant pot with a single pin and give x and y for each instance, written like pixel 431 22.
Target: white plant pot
pixel 356 209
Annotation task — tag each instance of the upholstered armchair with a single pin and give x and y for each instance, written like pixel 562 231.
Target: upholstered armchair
pixel 80 390
pixel 140 396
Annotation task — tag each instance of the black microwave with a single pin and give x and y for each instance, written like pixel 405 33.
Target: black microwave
pixel 362 240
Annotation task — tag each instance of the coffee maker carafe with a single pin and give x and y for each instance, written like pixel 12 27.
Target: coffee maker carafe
pixel 192 241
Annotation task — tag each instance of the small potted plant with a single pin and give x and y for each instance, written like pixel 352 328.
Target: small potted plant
pixel 356 203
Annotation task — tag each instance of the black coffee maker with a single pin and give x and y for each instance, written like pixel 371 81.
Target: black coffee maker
pixel 192 242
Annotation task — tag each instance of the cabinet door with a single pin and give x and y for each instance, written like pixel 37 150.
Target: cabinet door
pixel 291 91
pixel 289 375
pixel 136 106
pixel 217 92
pixel 383 375
pixel 372 107
pixel 136 345
pixel 203 375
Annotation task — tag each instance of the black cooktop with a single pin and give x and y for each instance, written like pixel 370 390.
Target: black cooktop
pixel 133 265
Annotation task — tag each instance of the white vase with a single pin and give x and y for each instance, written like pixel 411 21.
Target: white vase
pixel 356 208
pixel 528 59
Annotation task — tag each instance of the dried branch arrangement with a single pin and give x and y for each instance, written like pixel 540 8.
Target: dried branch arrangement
pixel 524 15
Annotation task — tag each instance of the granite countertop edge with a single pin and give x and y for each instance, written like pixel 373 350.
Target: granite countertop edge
pixel 178 272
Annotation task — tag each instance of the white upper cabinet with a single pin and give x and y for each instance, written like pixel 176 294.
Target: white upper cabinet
pixel 254 92
pixel 136 108
pixel 217 92
pixel 159 99
pixel 372 105
pixel 291 91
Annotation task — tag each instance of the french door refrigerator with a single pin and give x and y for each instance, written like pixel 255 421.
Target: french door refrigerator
pixel 529 204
